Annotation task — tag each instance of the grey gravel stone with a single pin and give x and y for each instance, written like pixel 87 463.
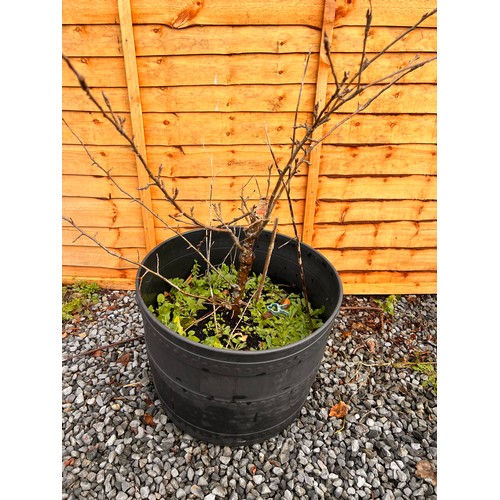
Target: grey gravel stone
pixel 197 491
pixel 111 450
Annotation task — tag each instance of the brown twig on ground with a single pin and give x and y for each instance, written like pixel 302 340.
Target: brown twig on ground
pixel 368 308
pixel 102 347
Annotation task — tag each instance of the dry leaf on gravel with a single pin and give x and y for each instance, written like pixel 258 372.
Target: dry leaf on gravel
pixel 124 360
pixel 339 410
pixel 372 346
pixel 425 470
pixel 149 419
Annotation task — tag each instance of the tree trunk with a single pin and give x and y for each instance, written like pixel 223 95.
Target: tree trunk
pixel 246 259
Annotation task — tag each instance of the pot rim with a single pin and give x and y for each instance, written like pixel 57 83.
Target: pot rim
pixel 299 345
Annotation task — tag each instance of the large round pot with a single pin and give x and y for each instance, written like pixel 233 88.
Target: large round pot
pixel 226 396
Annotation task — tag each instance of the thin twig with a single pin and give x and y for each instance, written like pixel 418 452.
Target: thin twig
pixel 365 38
pixel 270 249
pixel 103 347
pixel 296 114
pixel 130 261
pixel 143 205
pixel 299 255
pixel 393 42
pixel 369 308
pixel 118 123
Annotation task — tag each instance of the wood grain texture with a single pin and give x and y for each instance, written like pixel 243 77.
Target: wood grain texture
pixel 322 77
pixel 409 98
pixel 210 77
pixel 252 12
pixel 137 124
pixel 415 187
pixel 401 234
pixel 237 69
pixel 87 40
pixel 173 129
pixel 248 160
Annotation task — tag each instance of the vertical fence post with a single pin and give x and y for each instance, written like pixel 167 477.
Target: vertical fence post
pixel 134 97
pixel 321 90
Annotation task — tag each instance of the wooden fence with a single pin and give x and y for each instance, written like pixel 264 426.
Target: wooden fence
pixel 201 83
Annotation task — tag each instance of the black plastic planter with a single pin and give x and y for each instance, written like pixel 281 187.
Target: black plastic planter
pixel 235 397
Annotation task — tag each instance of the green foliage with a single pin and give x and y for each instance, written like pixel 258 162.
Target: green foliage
pixel 389 303
pixel 77 298
pixel 429 370
pixel 426 368
pixel 191 312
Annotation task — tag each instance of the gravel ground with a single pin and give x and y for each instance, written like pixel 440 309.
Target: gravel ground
pixel 118 443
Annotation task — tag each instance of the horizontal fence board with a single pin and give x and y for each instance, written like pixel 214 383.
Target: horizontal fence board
pixel 115 238
pixel 185 161
pixel 403 234
pixel 161 40
pixel 194 188
pixel 97 71
pixel 120 213
pixel 83 40
pixel 102 213
pixel 220 12
pixel 248 128
pixel 409 98
pixel 238 69
pixel 163 233
pixel 96 257
pixel 370 211
pixel 227 211
pixel 205 12
pixel 92 129
pixel 328 212
pixel 123 214
pixel 244 160
pixel 384 282
pixel 349 39
pixel 379 160
pixel 385 259
pixel 121 280
pixel 119 160
pixel 416 187
pixel 99 187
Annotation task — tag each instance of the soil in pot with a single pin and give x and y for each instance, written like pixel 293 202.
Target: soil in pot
pixel 273 316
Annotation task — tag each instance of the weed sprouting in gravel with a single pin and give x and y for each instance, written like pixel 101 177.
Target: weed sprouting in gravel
pixel 77 299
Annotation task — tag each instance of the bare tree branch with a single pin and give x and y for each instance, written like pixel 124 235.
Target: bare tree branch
pixel 365 38
pixel 303 142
